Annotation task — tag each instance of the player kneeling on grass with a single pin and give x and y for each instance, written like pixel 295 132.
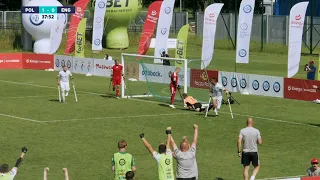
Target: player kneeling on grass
pixel 122 162
pixel 163 158
pixel 216 94
pixel 192 103
pixel 116 77
pixel 63 82
pixel 5 173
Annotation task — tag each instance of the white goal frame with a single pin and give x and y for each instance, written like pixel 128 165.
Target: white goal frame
pixel 123 86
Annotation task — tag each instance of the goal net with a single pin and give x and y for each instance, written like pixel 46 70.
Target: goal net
pixel 148 80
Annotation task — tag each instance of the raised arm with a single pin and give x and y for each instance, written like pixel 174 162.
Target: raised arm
pixel 65 170
pixel 168 132
pixel 195 136
pixel 45 173
pixel 19 161
pixel 146 144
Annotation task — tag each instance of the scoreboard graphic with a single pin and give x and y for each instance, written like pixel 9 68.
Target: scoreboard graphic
pixel 41 13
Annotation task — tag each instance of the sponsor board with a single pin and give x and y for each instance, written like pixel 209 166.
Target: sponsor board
pixel 301 89
pixel 234 82
pixel 266 85
pixel 199 78
pixel 38 61
pixel 11 61
pixel 102 67
pixel 82 65
pixel 171 43
pixel 60 61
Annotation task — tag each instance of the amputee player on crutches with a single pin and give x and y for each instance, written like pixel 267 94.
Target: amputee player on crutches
pixel 116 77
pixel 216 94
pixel 63 82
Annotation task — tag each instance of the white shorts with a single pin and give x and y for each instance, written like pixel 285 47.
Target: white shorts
pixel 64 86
pixel 218 100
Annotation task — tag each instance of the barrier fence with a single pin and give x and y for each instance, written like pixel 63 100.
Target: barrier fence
pixel 272 86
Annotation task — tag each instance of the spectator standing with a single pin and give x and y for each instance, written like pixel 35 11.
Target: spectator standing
pixel 311 71
pixel 122 162
pixel 130 175
pixel 107 57
pixel 187 168
pixel 250 137
pixel 165 61
pixel 314 170
pixel 6 173
pixel 163 158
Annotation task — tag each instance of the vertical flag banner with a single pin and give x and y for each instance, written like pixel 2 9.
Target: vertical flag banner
pixel 149 27
pixel 211 15
pixel 98 24
pixel 244 30
pixel 163 30
pixel 56 33
pixel 182 42
pixel 81 38
pixel 318 69
pixel 80 6
pixel 297 15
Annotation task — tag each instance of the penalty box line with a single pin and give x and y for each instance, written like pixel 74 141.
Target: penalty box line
pixel 243 115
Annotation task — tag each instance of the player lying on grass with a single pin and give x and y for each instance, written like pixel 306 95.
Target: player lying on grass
pixel 174 85
pixel 5 173
pixel 65 171
pixel 216 94
pixel 116 77
pixel 63 82
pixel 163 158
pixel 192 103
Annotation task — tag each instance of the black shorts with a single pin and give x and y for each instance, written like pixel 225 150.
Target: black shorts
pixel 197 105
pixel 194 178
pixel 250 157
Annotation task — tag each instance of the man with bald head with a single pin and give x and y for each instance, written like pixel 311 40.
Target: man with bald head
pixel 250 137
pixel 187 168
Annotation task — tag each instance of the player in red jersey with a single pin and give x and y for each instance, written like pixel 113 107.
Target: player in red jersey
pixel 174 85
pixel 116 77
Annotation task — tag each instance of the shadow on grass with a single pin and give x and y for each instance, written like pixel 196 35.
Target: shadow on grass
pixel 54 100
pixel 317 125
pixel 218 178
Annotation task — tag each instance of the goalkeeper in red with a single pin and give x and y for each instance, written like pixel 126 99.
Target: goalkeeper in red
pixel 116 77
pixel 174 85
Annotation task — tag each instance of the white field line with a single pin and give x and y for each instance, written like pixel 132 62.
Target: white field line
pixel 21 118
pixel 118 117
pixel 257 117
pixel 288 177
pixel 22 97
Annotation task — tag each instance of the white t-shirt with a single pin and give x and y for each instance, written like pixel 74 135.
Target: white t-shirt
pixel 186 163
pixel 156 155
pixel 64 76
pixel 217 90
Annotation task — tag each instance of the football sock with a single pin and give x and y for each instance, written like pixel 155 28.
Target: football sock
pixel 63 97
pixel 117 92
pixel 216 111
pixel 67 93
pixel 252 177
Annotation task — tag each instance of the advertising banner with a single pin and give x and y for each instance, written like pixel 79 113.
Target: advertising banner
pixel 131 70
pixel 149 27
pixel 82 65
pixel 81 39
pixel 266 85
pixel 102 67
pixel 56 34
pixel 244 30
pixel 297 16
pixel 98 24
pixel 211 15
pixel 199 78
pixel 234 82
pixel 163 30
pixel 182 44
pixel 38 61
pixel 171 43
pixel 301 89
pixel 11 61
pixel 60 61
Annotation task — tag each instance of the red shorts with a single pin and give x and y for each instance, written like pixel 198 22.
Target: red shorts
pixel 173 89
pixel 116 82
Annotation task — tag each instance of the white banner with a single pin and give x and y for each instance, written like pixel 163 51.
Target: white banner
pixel 209 30
pixel 56 33
pixel 82 65
pixel 98 24
pixel 234 82
pixel 244 30
pixel 161 74
pixel 102 67
pixel 297 15
pixel 163 29
pixel 266 85
pixel 171 43
pixel 60 61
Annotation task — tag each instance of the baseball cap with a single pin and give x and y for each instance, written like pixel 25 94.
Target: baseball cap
pixel 314 161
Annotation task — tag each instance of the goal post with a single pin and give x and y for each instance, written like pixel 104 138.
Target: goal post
pixel 145 79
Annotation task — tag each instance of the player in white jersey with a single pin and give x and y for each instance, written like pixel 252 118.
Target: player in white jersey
pixel 63 82
pixel 216 94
